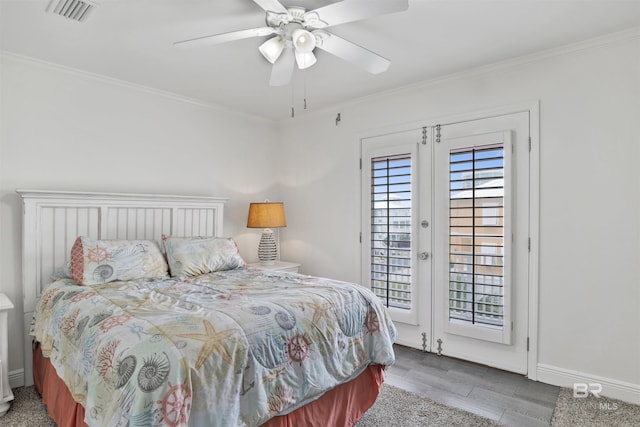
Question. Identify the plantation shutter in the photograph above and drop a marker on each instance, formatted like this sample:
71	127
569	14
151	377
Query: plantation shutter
391	202
477	235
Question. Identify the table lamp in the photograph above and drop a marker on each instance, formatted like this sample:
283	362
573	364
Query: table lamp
267	215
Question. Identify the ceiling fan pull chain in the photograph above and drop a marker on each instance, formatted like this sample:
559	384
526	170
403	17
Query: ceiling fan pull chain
305	89
293	114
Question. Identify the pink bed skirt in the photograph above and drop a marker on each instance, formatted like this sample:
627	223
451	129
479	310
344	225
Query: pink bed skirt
341	406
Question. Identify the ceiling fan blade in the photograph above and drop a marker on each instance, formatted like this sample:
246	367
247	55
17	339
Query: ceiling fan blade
283	68
350	52
226	37
271	6
355	10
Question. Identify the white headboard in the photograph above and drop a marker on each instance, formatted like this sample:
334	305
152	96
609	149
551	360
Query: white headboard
53	219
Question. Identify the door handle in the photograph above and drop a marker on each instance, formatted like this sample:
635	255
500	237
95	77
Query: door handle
423	255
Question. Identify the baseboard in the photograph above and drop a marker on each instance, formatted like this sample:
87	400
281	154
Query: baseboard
615	389
16	378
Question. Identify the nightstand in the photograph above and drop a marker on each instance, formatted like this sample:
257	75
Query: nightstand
5	389
291	267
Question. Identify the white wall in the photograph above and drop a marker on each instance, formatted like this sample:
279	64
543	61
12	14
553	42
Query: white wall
70	131
589	275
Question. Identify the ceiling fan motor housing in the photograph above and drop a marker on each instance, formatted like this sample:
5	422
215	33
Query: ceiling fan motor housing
295	15
293	30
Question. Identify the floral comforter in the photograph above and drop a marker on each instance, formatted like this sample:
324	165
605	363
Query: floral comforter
231	348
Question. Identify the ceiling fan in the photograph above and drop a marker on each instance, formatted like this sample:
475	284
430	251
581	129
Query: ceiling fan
298	32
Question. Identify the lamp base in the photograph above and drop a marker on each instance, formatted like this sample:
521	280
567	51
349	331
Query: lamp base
267	248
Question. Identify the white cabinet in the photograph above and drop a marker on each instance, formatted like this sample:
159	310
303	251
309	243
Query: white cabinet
5	390
290	267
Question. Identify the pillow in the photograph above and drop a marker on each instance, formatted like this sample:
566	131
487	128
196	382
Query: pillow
193	256
101	261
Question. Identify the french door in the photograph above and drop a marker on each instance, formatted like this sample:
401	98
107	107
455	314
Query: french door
445	236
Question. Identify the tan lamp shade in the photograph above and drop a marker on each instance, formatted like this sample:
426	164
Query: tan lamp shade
266	215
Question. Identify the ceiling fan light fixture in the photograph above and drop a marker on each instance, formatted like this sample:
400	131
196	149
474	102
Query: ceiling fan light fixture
305	59
303	41
272	49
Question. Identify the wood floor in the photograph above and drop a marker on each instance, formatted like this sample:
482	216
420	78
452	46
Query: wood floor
508	398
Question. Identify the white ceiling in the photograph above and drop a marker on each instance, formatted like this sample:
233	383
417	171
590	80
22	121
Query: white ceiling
132	40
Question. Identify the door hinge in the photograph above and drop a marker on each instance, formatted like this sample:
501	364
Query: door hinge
361	163
424	342
424	135
361	237
529	244
439	341
529	144
527	343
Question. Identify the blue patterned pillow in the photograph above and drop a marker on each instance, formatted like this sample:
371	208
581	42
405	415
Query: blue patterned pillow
193	256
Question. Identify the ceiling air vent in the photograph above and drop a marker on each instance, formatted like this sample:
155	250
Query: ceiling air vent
78	10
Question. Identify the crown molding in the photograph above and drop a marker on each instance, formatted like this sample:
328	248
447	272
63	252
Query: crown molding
128	85
596	42
567	49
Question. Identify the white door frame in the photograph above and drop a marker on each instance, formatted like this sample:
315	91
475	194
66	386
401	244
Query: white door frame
533	108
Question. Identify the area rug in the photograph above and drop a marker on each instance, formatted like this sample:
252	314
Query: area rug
397	407
26	410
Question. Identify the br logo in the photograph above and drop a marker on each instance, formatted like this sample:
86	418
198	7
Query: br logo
583	390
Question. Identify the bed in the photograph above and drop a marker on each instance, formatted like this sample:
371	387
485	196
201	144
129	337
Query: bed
207	341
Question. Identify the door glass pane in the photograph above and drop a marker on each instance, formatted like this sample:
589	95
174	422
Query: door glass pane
391	229
476	235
